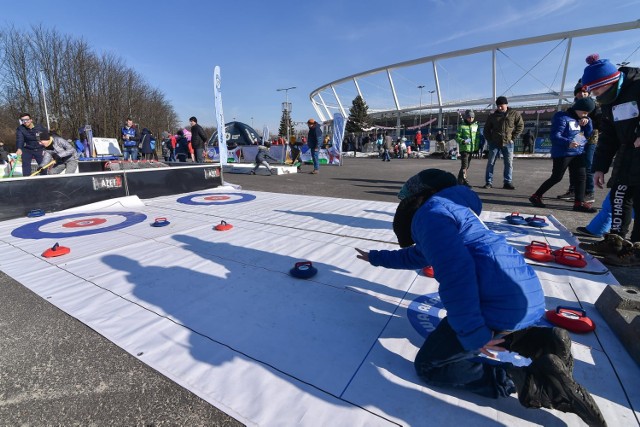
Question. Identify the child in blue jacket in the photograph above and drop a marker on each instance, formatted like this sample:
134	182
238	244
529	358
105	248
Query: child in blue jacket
569	132
492	297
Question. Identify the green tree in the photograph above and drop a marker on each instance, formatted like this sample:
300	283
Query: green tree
285	121
358	119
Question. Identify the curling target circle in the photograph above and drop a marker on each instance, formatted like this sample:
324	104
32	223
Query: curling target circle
425	313
507	230
50	228
84	222
204	199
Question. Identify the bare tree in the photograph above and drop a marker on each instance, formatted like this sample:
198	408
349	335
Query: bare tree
80	86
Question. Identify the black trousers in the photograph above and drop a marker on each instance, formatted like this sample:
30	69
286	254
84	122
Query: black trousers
625	199
577	169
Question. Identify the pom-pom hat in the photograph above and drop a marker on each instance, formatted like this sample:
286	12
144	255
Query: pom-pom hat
599	72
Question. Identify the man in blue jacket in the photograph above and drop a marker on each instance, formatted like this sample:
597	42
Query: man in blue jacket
130	140
27	143
492	297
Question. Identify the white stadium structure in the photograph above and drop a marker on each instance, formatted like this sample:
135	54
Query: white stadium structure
537	74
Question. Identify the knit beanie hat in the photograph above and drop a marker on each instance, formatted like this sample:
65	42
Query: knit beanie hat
469	114
44	136
578	88
584	104
428	179
413	195
501	100
599	72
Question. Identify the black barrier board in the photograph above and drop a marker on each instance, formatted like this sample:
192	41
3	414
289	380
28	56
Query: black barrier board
147	183
54	193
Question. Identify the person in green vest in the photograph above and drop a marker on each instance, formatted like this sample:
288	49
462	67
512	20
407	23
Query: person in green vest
468	138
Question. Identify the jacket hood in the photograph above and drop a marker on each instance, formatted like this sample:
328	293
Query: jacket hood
461	195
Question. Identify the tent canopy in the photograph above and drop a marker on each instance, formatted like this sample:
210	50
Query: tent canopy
237	133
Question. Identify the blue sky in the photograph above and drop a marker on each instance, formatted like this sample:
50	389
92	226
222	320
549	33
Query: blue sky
265	45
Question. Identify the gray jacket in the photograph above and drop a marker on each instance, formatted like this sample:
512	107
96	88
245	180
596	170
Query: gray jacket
59	150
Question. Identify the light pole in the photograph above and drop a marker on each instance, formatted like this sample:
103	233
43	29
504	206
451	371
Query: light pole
420	110
286	108
431	109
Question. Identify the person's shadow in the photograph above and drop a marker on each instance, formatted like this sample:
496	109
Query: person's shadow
316	334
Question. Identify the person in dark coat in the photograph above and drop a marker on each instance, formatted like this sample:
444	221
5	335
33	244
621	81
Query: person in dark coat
147	142
493	300
618	93
198	139
527	142
501	129
314	143
27	143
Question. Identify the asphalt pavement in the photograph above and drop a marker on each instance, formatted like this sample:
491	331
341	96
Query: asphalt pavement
54	370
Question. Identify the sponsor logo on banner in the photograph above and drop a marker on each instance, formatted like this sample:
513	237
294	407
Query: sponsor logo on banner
107	182
210	173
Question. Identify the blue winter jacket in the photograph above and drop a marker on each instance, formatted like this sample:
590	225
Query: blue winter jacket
564	128
485	284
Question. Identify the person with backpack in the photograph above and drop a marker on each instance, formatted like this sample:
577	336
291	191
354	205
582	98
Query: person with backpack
183	148
148	144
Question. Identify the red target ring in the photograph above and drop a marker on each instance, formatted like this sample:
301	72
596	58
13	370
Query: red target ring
217	198
89	222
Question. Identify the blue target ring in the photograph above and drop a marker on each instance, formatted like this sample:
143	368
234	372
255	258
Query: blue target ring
424	313
32	231
188	200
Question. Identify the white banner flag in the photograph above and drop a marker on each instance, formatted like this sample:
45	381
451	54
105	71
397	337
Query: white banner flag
339	125
222	142
265	135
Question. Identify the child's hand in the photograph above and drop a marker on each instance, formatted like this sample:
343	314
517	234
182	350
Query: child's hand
363	255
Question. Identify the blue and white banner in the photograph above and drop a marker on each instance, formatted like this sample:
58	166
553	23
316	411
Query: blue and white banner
265	135
339	125
222	142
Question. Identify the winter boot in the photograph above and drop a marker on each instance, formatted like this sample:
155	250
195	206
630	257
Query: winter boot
537	341
627	257
611	244
537	201
547	383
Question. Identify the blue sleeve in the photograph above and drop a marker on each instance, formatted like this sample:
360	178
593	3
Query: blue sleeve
455	270
588	129
319	135
19	139
403	259
558	127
